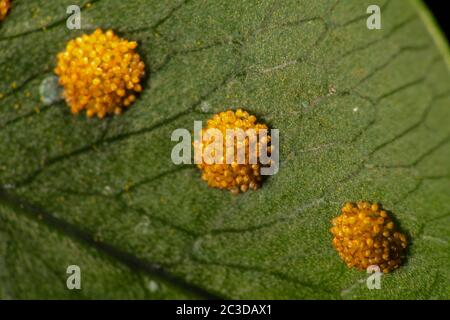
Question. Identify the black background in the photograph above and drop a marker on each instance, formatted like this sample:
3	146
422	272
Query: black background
441	12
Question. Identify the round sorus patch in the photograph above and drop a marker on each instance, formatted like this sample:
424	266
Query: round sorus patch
365	235
234	176
100	73
4	8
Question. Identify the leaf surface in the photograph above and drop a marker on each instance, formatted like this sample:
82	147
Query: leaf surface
362	114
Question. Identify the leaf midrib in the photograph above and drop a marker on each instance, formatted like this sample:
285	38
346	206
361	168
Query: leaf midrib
32	211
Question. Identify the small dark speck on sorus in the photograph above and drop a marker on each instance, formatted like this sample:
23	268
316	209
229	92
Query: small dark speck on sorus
224	159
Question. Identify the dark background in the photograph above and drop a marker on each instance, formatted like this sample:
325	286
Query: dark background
441	12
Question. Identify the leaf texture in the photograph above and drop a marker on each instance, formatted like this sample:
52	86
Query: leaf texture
362	114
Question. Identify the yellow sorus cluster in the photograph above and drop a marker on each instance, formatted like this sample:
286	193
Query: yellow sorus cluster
365	235
100	72
4	7
233	176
